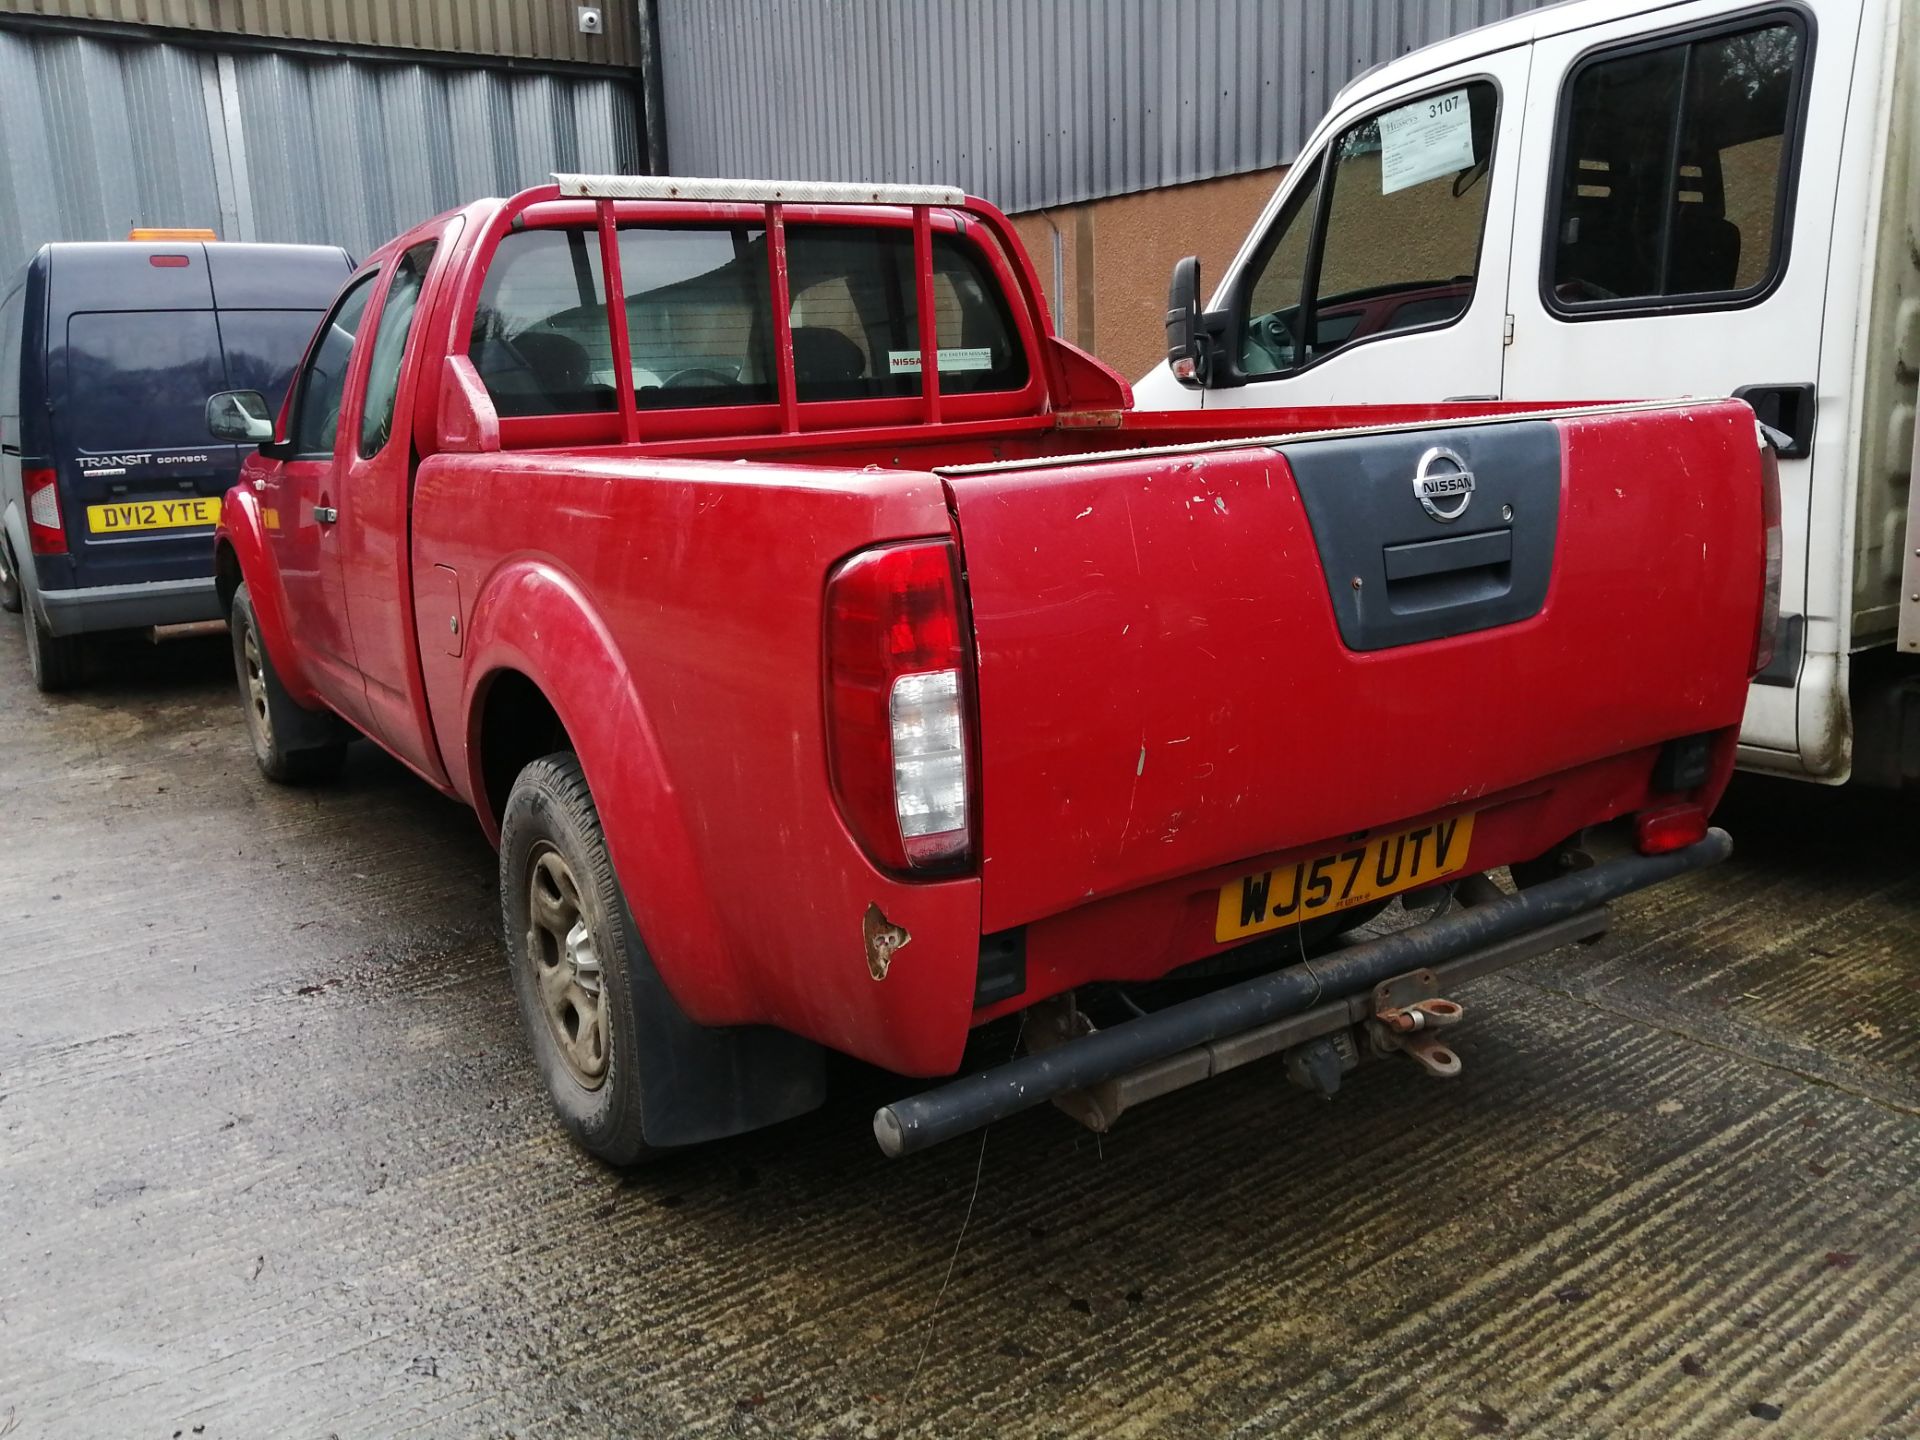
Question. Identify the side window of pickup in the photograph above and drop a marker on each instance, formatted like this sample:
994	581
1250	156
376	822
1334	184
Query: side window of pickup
1384	237
394	324
540	339
1675	161
323	378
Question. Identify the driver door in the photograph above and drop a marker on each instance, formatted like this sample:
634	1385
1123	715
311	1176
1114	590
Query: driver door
1393	234
298	498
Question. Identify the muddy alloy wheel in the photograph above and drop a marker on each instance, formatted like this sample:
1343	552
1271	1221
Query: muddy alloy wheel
292	744
253	679
566	967
572	949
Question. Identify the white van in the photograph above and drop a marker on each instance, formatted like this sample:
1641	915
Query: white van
1616	199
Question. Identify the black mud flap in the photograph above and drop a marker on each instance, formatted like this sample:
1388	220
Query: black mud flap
705	1083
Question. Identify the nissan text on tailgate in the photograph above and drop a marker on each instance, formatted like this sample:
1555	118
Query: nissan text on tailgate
839	662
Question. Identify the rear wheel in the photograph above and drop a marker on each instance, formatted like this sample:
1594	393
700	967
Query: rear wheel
572	947
292	744
58	662
9	579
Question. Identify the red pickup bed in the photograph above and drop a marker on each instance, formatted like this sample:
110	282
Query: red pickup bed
866	668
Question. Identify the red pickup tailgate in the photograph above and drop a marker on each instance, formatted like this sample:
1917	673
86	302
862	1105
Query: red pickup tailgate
1189	660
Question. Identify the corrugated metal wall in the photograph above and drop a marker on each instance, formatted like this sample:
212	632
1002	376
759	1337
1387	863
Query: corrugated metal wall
532	29
101	135
1029	103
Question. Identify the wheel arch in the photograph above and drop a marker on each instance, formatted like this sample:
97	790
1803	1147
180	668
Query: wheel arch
241	554
546	671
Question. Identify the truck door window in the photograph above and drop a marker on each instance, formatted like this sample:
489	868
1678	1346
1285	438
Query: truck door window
323	378
1674	169
395	323
540	340
1394	246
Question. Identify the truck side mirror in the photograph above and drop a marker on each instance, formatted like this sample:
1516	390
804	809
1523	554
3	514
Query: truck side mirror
239	415
1187	351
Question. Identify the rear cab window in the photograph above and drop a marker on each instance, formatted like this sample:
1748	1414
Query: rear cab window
1674	167
1384	236
699	313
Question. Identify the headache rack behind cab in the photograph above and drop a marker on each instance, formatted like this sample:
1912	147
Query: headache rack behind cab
1074	381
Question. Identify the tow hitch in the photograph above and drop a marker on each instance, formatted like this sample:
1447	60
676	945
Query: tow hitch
1389	988
1406	1010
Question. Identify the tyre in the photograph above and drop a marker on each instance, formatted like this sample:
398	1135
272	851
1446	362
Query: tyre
573	949
58	662
292	744
9	579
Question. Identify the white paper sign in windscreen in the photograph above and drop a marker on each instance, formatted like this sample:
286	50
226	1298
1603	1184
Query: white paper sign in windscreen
1425	140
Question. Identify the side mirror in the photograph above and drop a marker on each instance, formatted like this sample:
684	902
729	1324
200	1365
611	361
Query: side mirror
1186	346
239	415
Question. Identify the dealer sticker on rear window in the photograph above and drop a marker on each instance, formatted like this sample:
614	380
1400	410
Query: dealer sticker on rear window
973	357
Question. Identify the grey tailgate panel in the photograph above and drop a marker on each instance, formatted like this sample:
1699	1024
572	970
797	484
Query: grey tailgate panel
1422	578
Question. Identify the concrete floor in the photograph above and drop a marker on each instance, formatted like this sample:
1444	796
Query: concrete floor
272	1161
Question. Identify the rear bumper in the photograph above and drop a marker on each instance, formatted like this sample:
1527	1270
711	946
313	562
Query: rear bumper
1196	1032
93	608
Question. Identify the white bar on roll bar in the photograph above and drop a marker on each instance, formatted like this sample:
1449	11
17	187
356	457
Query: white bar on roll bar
753	192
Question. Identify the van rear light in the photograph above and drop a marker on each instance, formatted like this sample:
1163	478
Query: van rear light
897	708
168	262
1658	832
45	534
1763	640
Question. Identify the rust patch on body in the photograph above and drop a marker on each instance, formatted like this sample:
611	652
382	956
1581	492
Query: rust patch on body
883	938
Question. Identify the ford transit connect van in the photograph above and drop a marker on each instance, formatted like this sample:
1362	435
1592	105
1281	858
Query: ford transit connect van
109	487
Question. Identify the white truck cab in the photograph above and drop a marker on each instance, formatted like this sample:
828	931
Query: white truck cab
1621	199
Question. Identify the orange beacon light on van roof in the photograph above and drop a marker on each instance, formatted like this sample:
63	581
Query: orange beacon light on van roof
163	233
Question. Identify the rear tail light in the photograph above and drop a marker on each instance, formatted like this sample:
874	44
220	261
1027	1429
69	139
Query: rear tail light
897	712
45	534
1763	641
1656	832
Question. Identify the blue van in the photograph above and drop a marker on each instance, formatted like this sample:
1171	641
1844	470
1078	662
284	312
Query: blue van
109	486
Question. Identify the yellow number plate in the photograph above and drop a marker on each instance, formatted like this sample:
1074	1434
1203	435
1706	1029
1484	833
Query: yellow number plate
1370	871
124	516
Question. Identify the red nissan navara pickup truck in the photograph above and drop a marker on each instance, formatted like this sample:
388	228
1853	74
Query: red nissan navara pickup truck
840	662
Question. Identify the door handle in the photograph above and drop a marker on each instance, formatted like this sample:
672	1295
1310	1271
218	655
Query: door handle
1788	411
325	514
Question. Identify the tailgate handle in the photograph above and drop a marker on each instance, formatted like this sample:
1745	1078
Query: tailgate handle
1454	570
1445	556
